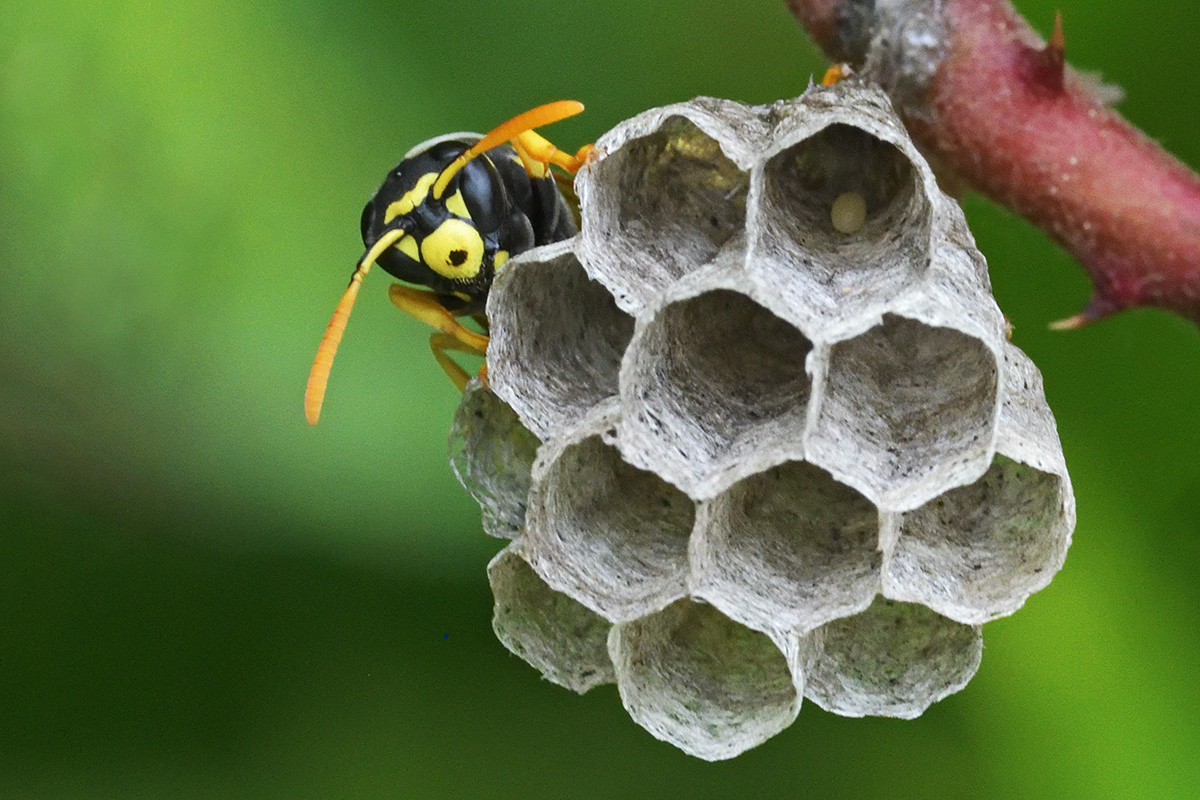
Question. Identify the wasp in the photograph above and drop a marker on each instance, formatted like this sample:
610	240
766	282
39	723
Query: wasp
446	218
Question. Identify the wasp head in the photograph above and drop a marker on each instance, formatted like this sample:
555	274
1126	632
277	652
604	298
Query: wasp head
454	241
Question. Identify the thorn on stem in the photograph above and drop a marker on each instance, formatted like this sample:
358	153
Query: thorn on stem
1056	48
1046	65
1070	323
1051	60
1098	308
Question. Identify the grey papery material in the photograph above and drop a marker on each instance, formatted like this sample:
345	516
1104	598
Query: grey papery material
776	460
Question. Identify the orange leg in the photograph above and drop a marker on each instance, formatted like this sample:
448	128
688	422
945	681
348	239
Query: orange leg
424	306
439	343
451	334
518	125
838	72
537	154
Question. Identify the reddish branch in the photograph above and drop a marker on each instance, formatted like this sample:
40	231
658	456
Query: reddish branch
990	100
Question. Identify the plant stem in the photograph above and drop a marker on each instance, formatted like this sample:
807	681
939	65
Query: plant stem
991	101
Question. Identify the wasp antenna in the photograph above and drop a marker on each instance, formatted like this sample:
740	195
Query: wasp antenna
318	377
533	118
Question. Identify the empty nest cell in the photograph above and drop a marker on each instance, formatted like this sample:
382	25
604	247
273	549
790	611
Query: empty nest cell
892	660
565	641
904	407
610	535
843	215
713	383
557	339
678	198
712	687
978	551
787	549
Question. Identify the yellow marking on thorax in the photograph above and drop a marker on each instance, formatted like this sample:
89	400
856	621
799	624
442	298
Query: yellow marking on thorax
501	257
410	199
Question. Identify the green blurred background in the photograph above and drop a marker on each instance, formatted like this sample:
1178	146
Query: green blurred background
202	597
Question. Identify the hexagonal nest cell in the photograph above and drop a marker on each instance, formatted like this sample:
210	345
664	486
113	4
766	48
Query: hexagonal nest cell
787	549
893	660
680	199
556	345
750	447
564	640
611	535
906	407
714	381
709	686
492	456
881	252
689	187
976	552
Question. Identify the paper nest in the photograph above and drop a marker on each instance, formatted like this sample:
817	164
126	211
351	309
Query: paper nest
745	458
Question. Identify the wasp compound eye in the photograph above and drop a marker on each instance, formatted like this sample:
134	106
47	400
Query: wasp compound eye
483	194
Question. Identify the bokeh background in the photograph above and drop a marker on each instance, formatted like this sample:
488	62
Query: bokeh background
202	597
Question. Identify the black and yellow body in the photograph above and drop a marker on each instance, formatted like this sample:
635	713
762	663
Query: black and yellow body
446	218
491	210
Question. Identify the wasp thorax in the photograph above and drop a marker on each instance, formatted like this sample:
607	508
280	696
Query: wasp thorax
780	448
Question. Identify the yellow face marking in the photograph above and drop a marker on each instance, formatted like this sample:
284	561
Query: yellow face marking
456	206
454	250
501	257
410	199
408	246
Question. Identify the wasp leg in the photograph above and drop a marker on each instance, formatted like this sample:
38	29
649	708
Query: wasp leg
452	335
439	343
537	154
424	306
509	132
837	73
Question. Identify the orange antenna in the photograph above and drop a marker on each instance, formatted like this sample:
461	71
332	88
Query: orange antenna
533	118
318	377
